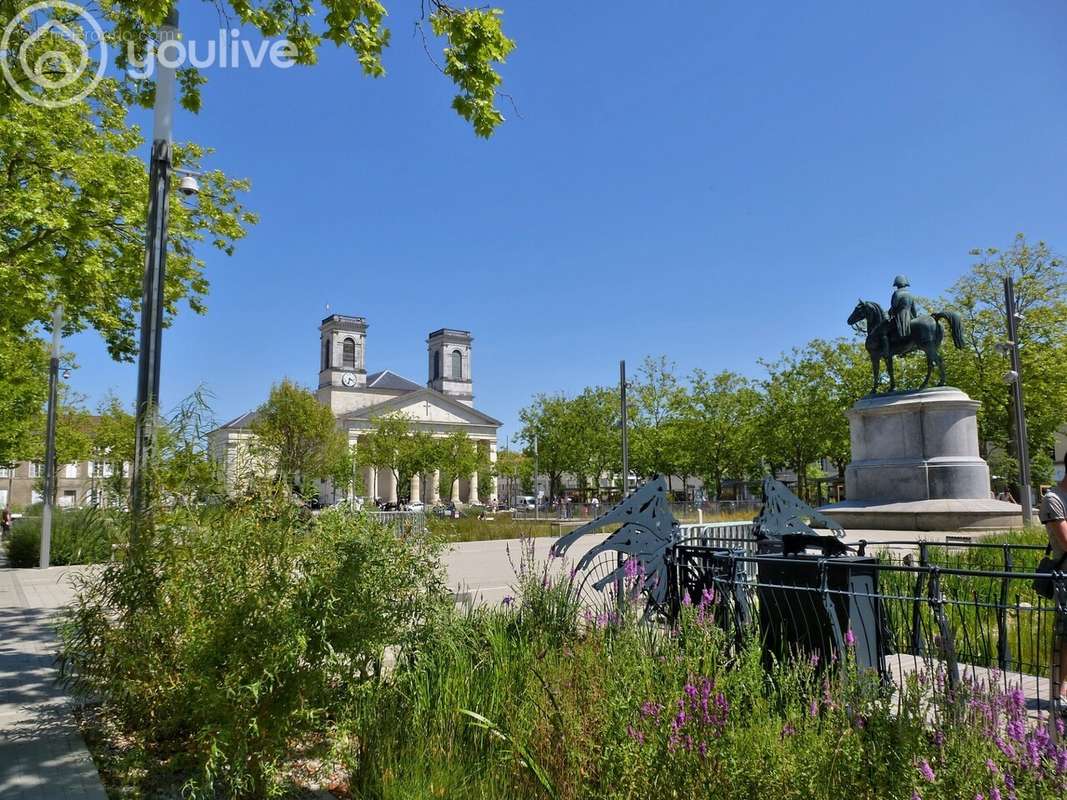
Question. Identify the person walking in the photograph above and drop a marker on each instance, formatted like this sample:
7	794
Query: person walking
5	522
1053	514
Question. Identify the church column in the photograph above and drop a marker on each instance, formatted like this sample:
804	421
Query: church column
472	493
435	487
492	463
370	483
455	489
387	482
416	487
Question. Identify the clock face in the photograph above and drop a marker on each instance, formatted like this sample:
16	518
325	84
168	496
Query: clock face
348	379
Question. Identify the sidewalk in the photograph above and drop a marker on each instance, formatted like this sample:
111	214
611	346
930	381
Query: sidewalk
42	755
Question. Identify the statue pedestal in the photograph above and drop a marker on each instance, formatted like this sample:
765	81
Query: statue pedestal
915	466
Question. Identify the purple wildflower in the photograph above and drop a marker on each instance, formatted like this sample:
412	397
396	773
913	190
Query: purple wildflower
927	771
850	638
788	730
632	568
635	734
994	794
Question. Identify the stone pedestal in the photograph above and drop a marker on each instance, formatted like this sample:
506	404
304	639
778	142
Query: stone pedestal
915	466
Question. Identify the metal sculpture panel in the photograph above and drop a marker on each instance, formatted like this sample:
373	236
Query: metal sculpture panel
784	514
647	530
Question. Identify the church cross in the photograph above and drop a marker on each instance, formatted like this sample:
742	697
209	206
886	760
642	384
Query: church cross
426	403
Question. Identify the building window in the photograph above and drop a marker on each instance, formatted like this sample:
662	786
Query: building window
457	365
5	472
71	471
36	469
436	364
69	498
348	354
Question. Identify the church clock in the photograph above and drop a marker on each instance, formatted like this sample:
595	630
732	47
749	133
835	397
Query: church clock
348	379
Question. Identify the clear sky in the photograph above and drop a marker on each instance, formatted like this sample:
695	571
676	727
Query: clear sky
714	181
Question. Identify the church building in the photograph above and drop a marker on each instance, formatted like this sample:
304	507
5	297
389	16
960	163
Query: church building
441	407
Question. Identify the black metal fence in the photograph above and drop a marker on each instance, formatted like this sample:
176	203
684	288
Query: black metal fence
965	609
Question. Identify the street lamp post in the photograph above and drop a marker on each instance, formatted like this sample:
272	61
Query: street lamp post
537	482
623	424
50	440
1014	377
152	296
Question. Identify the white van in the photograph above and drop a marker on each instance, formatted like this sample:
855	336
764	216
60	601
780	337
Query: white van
525	502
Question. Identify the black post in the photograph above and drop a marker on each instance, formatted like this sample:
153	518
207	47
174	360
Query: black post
152	297
619	584
50	441
1021	445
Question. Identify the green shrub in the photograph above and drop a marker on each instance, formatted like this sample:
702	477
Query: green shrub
79	536
237	634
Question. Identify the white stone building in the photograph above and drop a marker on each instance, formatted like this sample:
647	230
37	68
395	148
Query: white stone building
441	407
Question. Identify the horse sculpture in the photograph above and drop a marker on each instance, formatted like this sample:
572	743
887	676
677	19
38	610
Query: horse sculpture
883	341
647	531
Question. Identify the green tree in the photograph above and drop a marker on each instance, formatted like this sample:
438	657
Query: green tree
23	392
297	438
457	457
549	420
517	469
594	417
393	444
1041	294
655	433
718	424
797	413
113	441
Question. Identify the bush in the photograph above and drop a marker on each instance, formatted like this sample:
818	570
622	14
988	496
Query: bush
235	635
79	536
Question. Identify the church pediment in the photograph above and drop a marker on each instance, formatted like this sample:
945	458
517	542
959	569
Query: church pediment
428	407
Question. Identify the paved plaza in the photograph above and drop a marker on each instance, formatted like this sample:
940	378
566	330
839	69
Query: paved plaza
42	754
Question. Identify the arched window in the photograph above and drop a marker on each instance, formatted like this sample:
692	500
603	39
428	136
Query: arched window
436	364
457	365
348	353
325	353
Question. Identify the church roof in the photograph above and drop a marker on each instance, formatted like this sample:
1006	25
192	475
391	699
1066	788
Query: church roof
242	421
438	398
387	379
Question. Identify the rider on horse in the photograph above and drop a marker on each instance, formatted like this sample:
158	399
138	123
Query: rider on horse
902	308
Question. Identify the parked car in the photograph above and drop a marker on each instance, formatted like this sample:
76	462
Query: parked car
417	506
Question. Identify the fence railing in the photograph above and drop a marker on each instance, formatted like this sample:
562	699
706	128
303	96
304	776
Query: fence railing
400	521
902	616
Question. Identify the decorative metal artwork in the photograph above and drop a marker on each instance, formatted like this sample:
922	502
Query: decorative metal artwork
648	529
785	517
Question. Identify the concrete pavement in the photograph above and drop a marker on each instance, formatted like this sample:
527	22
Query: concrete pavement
484	572
42	754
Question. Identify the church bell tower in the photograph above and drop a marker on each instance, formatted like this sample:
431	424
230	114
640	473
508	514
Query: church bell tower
450	364
342	343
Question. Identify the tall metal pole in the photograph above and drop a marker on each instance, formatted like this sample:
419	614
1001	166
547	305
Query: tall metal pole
537	482
1022	449
50	440
624	425
152	298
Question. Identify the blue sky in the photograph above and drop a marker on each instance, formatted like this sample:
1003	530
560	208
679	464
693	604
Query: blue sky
711	181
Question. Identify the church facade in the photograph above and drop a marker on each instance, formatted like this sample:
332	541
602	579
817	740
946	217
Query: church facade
441	407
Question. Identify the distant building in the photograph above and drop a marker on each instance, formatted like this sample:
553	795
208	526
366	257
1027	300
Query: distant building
441	407
83	483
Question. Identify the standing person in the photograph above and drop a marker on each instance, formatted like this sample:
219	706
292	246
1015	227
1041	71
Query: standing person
5	522
1053	514
596	506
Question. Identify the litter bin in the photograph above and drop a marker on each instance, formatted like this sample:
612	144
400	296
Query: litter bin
797	616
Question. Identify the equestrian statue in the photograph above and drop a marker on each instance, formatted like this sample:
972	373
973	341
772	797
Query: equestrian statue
904	330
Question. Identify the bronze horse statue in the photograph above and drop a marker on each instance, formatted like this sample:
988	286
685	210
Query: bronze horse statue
883	342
